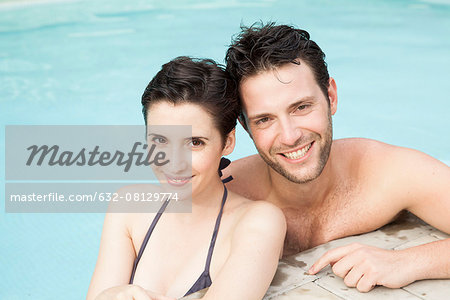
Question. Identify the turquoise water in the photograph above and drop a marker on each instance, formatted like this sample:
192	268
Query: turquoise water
87	62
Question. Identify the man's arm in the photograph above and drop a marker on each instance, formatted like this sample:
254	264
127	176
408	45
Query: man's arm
416	182
424	184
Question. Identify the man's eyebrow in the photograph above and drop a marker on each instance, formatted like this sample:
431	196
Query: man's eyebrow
301	101
291	106
259	116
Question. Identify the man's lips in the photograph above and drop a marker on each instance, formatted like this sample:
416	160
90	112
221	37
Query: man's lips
298	153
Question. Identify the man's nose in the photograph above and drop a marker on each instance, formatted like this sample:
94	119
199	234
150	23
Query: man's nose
290	132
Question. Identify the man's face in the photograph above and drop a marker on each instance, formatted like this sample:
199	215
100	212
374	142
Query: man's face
289	120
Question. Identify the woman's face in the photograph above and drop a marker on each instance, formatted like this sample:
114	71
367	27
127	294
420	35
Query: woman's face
193	145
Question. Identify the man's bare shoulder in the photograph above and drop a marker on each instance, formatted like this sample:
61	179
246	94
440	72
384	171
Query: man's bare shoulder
406	178
367	155
250	177
378	168
360	145
368	152
396	171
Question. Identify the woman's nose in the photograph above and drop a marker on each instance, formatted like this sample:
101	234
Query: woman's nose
179	160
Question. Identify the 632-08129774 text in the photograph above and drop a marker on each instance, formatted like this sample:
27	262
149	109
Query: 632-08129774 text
113	197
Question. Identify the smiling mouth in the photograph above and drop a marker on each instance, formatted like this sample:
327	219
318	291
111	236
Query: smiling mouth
298	153
178	181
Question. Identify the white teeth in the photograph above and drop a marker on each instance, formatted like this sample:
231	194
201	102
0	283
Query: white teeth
298	154
178	180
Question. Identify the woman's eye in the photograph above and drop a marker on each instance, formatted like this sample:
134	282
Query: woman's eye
197	143
159	140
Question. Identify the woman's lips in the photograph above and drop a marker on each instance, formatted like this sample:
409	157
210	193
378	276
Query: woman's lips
178	180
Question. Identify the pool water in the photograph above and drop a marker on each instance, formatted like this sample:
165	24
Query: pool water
88	62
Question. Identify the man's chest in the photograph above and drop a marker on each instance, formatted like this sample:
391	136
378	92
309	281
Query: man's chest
344	214
307	228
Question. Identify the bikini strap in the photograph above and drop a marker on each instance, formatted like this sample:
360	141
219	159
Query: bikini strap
216	230
147	237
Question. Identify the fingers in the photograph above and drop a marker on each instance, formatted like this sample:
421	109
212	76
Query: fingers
154	296
332	256
342	267
353	277
133	292
161	297
130	292
352	271
346	263
365	284
123	296
140	294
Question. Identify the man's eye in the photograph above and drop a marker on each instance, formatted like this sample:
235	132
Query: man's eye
159	140
262	120
302	107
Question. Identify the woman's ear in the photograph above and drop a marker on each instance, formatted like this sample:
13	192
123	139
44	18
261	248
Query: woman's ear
230	142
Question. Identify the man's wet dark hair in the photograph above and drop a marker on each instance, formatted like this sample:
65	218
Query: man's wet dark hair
265	47
197	81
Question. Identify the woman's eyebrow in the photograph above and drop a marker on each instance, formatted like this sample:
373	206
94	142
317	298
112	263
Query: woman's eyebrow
155	134
198	137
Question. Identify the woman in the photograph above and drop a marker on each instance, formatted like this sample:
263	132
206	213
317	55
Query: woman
227	243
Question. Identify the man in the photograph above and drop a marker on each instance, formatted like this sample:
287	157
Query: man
329	189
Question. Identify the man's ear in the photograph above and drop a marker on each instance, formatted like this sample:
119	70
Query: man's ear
332	95
230	142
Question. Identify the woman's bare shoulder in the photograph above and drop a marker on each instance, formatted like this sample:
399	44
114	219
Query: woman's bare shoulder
258	214
261	224
130	204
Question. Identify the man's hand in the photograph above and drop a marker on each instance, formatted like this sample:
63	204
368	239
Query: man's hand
364	267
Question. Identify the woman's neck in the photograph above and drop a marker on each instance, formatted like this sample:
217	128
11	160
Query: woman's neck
209	197
202	203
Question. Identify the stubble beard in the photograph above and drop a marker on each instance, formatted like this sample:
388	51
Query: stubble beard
324	142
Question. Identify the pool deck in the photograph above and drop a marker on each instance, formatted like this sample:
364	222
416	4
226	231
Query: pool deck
292	281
